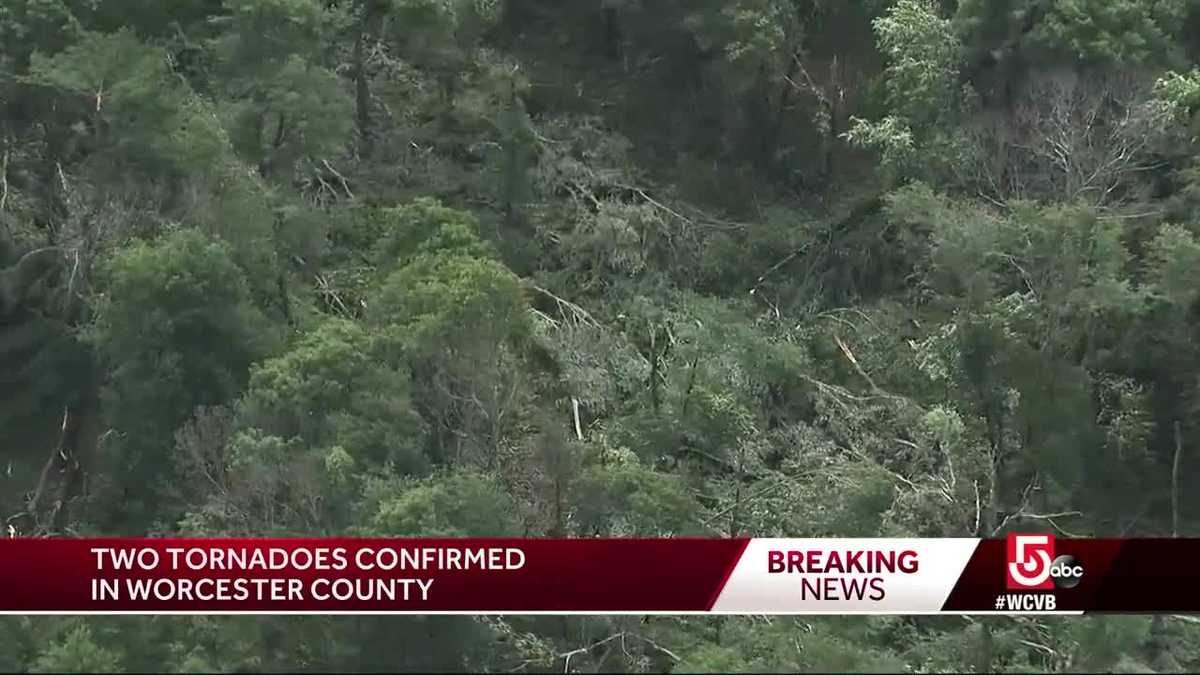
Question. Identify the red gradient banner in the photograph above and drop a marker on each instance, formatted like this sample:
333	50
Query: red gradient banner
1025	574
318	575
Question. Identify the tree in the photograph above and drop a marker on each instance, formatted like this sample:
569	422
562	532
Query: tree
462	321
77	653
924	57
174	329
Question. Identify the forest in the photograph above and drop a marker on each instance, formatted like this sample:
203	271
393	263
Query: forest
599	268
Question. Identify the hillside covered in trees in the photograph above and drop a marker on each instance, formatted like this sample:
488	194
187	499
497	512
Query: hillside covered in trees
599	268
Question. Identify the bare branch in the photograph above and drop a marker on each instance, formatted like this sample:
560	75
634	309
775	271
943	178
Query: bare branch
575	413
345	183
1039	647
978	508
1072	138
572	309
4	181
327	291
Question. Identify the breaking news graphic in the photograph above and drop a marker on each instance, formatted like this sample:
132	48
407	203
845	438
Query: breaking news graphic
1023	574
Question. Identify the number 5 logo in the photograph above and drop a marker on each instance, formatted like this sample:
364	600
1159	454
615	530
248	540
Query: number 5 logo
1030	557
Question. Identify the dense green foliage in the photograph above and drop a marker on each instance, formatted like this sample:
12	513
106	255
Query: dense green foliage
554	267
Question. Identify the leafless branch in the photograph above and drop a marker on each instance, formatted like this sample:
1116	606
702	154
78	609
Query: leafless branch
575	414
345	183
583	650
1039	647
327	291
567	307
772	269
978	507
4	181
1072	138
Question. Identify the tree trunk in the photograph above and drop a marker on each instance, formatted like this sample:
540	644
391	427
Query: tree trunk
654	402
362	93
612	34
1175	480
836	98
986	651
785	99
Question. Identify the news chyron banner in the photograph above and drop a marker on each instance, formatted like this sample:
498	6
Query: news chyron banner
1025	573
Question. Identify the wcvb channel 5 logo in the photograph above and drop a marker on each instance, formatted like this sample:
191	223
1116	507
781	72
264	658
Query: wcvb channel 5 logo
1033	566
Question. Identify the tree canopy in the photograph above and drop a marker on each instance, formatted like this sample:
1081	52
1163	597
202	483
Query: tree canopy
791	268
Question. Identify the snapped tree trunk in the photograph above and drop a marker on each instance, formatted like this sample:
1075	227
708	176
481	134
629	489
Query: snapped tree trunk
62	475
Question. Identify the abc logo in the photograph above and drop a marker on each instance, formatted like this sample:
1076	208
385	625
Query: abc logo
1066	572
